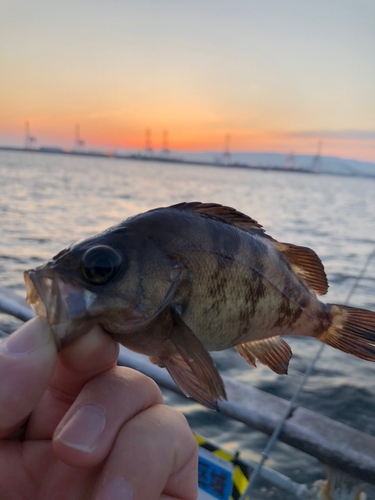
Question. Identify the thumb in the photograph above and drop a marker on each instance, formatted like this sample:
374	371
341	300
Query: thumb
27	360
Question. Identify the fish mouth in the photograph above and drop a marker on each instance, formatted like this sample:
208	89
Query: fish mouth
64	304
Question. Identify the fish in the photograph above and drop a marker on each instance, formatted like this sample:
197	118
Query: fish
177	282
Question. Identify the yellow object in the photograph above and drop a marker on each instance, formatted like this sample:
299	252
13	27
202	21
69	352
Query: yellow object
240	473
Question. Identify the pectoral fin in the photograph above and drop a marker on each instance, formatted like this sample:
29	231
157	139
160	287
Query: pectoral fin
204	377
272	352
170	293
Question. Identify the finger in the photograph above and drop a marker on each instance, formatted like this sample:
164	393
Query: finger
155	453
27	361
91	354
77	363
87	432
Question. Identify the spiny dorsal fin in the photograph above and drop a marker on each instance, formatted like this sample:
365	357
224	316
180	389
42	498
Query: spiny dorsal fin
307	264
272	352
304	261
224	214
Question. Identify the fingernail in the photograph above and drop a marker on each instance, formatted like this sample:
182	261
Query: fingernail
84	428
116	488
26	339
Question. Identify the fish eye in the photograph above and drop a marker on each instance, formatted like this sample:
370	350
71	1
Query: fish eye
100	264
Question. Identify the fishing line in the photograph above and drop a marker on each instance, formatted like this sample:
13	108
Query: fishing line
278	428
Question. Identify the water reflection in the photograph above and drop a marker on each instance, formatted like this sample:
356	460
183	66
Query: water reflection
49	201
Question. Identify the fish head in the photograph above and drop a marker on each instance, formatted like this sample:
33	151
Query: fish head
118	279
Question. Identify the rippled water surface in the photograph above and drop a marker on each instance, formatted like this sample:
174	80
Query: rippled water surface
48	201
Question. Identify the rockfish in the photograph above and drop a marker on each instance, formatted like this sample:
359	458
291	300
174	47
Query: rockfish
176	282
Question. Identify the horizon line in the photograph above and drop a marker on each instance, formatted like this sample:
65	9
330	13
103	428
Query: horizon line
142	152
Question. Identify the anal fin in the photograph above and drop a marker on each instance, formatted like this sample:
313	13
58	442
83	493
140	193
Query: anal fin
273	352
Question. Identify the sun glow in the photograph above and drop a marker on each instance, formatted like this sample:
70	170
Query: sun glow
118	70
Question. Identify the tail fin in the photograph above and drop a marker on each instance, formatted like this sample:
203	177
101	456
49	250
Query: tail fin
352	330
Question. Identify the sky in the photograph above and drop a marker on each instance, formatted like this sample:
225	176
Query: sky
277	75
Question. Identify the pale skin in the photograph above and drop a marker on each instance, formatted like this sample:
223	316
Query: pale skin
75	426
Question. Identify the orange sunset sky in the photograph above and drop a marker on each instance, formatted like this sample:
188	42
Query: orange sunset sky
277	75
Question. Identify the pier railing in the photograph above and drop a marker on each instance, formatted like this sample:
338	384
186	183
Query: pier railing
347	455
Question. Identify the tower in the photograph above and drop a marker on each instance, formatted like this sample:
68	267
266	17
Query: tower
29	140
289	161
79	143
148	145
227	153
165	146
316	162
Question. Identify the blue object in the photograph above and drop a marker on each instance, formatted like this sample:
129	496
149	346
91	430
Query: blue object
214	479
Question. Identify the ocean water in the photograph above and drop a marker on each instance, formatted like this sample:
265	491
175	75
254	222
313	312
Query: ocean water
48	201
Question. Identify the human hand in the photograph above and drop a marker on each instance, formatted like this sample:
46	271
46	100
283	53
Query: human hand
74	426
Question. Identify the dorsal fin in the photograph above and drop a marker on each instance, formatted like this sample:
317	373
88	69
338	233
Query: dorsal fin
307	264
272	352
224	214
303	260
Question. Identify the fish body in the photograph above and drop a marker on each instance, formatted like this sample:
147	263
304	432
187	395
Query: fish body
176	282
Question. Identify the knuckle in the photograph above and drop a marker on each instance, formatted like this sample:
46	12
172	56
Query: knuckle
127	380
177	423
145	384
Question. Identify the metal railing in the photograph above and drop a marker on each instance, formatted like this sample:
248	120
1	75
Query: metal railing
293	401
231	408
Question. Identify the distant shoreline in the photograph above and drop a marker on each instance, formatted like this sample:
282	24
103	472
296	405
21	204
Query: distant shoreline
161	159
167	158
